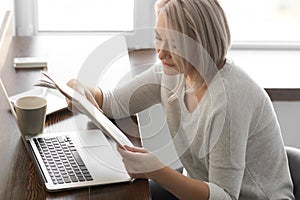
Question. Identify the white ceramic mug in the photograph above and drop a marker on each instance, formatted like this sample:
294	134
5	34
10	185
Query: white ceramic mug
31	114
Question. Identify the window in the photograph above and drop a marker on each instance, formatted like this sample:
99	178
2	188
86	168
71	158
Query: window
85	15
267	21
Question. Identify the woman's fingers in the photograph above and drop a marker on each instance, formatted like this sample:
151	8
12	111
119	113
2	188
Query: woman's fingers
91	98
84	90
139	162
130	150
136	149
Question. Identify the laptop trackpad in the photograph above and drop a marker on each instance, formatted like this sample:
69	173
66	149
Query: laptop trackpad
104	155
98	151
92	138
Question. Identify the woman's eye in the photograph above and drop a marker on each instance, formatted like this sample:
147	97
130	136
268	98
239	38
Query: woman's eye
158	38
173	44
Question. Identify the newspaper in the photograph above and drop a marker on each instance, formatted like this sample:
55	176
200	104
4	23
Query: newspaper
86	107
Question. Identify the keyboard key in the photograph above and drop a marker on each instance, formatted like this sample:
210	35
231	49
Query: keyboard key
62	160
67	180
77	158
89	178
80	178
73	178
60	139
60	181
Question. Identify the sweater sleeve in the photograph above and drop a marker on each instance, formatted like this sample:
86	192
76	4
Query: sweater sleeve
226	162
227	159
228	128
134	96
217	193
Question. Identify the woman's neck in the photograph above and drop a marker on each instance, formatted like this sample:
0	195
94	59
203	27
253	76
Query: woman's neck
193	95
194	91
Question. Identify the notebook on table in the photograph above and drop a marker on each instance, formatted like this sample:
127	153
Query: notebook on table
55	100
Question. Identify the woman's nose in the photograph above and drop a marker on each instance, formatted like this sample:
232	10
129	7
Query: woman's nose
163	50
161	54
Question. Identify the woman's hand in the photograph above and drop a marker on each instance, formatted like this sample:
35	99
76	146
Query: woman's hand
139	162
85	91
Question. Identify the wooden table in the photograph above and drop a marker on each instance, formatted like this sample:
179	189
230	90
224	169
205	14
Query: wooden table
18	176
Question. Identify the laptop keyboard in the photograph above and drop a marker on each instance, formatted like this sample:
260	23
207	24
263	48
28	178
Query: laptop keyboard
62	160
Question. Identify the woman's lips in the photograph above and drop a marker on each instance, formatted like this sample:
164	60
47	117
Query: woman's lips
168	64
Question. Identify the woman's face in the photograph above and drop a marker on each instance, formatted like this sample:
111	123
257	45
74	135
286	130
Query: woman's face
167	58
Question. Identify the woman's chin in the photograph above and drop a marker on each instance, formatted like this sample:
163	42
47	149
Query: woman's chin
170	70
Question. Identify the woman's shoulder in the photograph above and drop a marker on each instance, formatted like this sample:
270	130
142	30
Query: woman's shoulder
149	75
235	90
238	82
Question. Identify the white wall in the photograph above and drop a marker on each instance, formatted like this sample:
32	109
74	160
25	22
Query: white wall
4	6
144	35
24	17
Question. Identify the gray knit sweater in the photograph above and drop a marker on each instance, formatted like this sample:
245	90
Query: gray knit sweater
232	140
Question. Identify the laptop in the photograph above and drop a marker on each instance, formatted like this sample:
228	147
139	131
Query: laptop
67	160
75	159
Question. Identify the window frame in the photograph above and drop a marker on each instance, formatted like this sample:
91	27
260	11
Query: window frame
260	43
85	32
27	25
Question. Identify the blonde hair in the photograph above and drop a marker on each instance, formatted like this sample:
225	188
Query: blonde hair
203	21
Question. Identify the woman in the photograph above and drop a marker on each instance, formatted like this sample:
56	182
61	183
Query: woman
222	123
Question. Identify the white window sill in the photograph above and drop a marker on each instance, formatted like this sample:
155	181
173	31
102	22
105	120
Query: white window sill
273	69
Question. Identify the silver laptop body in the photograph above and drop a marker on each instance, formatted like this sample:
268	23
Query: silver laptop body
67	160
